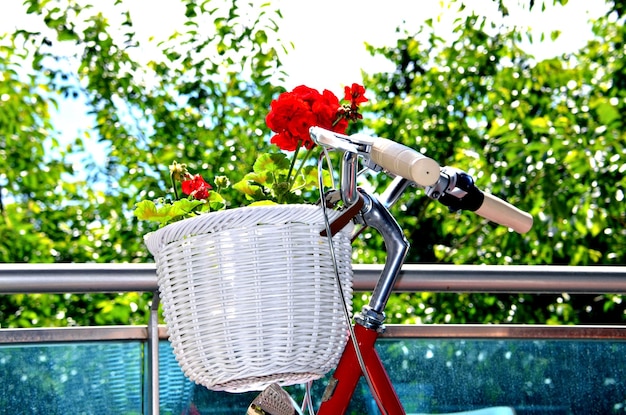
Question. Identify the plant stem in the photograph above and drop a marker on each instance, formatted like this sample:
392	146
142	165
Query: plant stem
174	186
293	162
306	157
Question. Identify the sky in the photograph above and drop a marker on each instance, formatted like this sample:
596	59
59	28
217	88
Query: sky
314	27
329	35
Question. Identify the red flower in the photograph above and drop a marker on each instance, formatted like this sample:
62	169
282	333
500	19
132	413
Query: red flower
291	117
327	110
306	94
355	94
293	113
196	187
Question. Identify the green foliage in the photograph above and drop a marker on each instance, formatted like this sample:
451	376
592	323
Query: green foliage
536	133
273	180
545	135
148	210
199	99
202	96
60	310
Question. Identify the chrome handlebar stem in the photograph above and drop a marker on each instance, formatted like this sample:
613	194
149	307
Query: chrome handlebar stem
376	215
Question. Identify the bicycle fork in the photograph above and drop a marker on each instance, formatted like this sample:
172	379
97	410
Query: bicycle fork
343	383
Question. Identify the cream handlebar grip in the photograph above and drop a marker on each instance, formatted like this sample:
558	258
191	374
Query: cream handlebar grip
404	161
504	213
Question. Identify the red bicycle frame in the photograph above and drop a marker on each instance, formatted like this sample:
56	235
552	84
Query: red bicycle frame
341	386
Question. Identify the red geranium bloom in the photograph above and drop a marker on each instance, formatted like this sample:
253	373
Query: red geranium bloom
286	141
196	187
306	94
290	117
326	109
355	94
293	113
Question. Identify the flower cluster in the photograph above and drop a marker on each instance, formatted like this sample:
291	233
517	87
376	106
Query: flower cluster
273	178
293	113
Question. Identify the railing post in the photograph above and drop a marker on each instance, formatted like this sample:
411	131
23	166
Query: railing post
152	384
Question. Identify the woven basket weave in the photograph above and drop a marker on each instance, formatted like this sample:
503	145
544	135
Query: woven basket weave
250	295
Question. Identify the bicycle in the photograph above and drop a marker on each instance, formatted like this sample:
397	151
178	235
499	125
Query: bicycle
452	187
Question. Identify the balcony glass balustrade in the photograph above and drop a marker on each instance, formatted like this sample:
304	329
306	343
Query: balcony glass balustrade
436	368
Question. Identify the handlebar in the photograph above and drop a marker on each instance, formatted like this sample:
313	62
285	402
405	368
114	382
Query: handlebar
504	213
456	189
401	160
452	187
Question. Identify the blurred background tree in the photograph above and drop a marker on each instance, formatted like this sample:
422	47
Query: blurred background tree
201	98
547	135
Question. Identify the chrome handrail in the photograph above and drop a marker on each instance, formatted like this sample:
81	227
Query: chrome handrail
77	278
113	278
116	278
141	333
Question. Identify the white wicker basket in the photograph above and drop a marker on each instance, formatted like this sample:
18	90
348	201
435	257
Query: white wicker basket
250	296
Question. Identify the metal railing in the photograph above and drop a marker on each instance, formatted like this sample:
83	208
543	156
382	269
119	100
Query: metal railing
117	278
109	278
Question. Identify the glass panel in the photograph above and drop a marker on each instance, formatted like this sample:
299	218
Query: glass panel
438	376
76	378
534	377
175	390
444	376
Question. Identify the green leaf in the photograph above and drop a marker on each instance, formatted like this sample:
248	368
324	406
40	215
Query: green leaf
271	162
540	124
216	201
67	34
148	210
498	127
307	179
145	210
253	185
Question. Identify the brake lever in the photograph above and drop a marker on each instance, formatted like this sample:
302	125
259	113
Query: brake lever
456	190
356	143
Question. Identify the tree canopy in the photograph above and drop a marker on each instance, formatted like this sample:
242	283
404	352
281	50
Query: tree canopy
548	135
